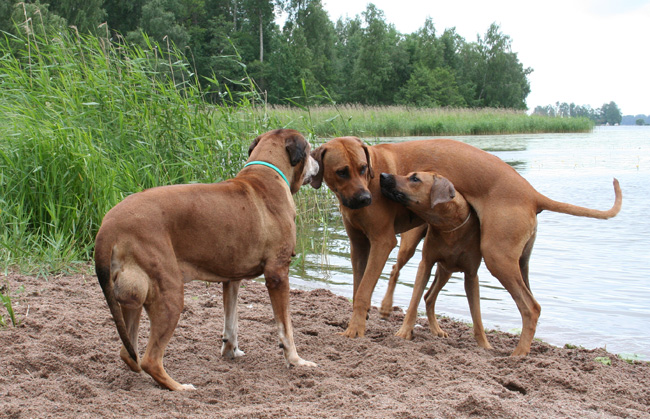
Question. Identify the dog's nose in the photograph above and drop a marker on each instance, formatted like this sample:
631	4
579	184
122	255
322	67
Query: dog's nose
364	199
386	180
359	200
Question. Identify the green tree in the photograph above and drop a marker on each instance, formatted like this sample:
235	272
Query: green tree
6	10
86	15
320	38
305	52
501	80
123	16
610	114
373	68
431	88
349	35
160	20
426	50
36	18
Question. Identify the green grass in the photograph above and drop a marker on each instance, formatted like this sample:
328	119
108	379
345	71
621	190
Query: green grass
84	123
7	303
393	121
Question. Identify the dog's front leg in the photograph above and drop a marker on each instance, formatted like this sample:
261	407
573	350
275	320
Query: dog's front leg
379	251
230	347
277	283
359	251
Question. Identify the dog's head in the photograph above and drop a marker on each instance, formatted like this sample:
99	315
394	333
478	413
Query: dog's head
289	151
421	192
345	166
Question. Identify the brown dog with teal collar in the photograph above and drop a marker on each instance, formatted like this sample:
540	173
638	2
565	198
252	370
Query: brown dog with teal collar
154	241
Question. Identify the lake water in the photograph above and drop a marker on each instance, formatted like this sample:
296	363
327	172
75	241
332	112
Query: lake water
590	276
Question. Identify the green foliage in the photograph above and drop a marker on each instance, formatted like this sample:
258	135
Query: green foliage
85	15
431	88
7	302
605	360
392	121
84	123
631	358
361	60
608	114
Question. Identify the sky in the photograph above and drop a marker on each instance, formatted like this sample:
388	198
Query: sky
589	52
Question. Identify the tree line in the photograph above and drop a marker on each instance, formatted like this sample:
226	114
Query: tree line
608	114
237	44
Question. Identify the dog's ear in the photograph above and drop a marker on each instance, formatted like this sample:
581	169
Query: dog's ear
318	155
442	191
371	172
296	146
252	146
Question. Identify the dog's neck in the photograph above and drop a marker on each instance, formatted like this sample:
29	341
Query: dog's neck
449	217
271	166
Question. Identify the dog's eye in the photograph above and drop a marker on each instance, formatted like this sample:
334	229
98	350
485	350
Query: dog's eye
414	178
343	173
363	169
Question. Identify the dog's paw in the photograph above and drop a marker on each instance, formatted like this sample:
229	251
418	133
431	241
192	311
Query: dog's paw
405	333
384	312
440	333
186	387
353	331
302	363
228	351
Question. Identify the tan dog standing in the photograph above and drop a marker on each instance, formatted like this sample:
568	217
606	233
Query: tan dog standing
452	241
506	205
154	241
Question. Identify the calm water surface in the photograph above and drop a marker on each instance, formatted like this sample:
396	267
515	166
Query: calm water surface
590	276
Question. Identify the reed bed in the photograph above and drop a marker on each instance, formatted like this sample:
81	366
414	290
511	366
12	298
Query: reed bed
402	121
84	123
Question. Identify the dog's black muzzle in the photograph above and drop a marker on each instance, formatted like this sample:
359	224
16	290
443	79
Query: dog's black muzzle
359	200
388	189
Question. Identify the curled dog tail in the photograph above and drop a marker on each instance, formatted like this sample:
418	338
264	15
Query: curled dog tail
106	280
545	203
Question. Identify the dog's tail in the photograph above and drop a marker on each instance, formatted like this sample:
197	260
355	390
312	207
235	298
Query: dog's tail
107	283
545	203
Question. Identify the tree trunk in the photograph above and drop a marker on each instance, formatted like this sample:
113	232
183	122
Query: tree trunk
261	37
234	15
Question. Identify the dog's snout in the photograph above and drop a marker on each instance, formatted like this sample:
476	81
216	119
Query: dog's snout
359	200
310	171
364	199
386	180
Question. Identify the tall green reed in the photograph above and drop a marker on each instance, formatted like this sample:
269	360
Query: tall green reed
401	121
85	122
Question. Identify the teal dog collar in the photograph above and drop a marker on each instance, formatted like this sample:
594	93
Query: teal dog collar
263	163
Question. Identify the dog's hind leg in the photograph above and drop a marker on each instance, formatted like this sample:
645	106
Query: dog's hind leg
502	246
132	321
164	310
130	289
230	347
277	284
409	241
525	259
474	300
